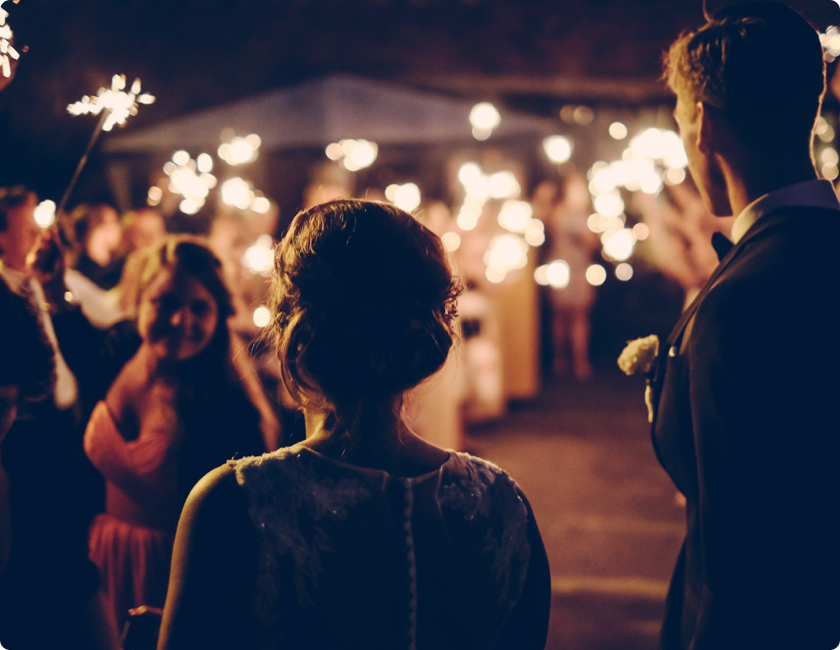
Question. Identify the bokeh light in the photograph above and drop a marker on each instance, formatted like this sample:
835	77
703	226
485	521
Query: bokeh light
262	316
624	271
558	148
596	275
451	241
618	130
45	214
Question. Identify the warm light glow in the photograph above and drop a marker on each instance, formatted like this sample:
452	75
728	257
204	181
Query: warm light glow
451	240
558	274
829	156
558	148
262	316
603	180
594	223
829	172
541	275
507	252
624	272
154	196
485	117
609	204
503	185
495	274
515	216
596	275
204	162
7	52
237	192
119	104
353	155
469	173
407	197
467	220
180	157
358	154
618	244
45	214
641	231
618	130
189	206
259	258
240	150
183	180
479	189
675	175
261	205
535	232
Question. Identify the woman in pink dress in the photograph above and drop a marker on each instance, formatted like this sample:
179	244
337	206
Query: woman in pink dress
364	535
180	406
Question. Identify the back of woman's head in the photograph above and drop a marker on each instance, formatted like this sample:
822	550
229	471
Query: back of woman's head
363	302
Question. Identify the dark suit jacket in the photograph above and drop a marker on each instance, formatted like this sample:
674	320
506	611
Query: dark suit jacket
746	404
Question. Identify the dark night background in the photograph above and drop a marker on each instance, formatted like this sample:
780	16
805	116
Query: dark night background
534	57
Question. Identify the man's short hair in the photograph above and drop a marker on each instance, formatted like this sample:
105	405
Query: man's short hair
11	197
761	64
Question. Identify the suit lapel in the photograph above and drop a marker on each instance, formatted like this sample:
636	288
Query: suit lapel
762	226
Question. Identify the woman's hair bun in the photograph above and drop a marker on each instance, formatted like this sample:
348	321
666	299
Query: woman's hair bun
364	302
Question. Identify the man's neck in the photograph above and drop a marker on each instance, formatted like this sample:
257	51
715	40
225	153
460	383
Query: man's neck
743	189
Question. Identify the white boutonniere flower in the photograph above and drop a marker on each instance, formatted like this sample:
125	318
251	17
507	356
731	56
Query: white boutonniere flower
639	355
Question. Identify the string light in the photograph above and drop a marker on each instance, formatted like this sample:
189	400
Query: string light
406	197
239	151
484	119
186	181
353	155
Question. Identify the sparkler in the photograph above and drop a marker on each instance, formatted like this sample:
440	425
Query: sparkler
114	106
6	50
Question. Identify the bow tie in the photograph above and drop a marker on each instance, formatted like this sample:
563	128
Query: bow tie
721	244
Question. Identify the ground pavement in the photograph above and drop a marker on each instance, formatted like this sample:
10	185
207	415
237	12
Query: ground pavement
609	518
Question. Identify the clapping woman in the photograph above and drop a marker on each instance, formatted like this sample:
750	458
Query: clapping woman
181	405
363	535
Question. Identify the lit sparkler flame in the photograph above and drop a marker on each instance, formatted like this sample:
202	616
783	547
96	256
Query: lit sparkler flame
6	49
119	103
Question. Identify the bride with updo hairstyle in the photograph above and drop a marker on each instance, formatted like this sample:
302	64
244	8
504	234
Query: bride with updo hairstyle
363	535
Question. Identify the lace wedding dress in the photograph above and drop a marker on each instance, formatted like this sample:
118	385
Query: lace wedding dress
354	557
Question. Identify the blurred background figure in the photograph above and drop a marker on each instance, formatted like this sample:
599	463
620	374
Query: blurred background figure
95	235
434	409
572	241
142	228
185	402
48	577
681	229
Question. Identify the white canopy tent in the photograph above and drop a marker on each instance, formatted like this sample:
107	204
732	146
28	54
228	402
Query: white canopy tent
326	110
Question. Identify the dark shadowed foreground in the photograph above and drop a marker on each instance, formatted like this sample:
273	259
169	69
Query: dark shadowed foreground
606	510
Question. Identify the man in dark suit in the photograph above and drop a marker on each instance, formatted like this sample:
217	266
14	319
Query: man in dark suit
745	389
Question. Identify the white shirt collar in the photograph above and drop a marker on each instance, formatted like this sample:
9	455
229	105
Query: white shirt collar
812	194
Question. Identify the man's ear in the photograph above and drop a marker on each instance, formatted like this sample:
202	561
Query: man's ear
706	131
